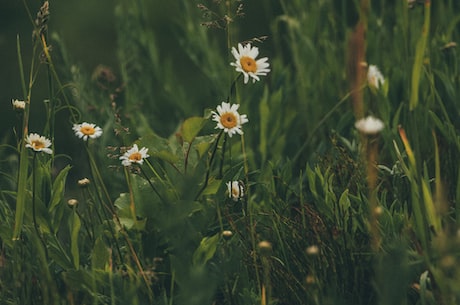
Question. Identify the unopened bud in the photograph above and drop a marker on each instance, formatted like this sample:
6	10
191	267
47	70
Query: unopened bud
312	250
227	234
83	182
72	202
265	247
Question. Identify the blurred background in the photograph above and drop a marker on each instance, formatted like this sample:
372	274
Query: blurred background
85	27
87	31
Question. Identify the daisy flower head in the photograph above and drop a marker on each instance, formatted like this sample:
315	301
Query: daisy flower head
38	143
246	63
369	125
374	77
228	118
87	130
235	190
134	155
18	105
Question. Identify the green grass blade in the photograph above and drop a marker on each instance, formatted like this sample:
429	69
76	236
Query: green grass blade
419	57
23	160
74	228
21	195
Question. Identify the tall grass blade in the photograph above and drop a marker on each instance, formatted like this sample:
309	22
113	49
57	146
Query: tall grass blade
419	58
23	160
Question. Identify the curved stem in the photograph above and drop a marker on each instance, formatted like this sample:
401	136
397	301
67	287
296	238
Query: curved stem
233	88
209	166
221	167
151	184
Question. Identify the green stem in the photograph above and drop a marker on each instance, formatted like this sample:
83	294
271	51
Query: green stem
206	180
151	185
34	217
221	167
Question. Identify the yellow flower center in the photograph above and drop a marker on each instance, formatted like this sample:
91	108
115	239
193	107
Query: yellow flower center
236	191
136	156
228	120
38	144
87	130
248	64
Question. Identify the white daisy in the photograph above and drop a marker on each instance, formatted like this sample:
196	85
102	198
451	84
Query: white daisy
18	105
134	155
38	143
369	125
87	130
246	63
235	190
374	77
228	118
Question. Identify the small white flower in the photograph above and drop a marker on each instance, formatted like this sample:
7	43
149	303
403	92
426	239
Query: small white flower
369	125
374	77
313	250
228	118
84	182
134	155
18	105
235	190
87	130
246	63
72	202
38	143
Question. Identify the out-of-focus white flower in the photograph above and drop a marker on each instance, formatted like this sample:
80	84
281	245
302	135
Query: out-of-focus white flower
374	77
18	105
369	125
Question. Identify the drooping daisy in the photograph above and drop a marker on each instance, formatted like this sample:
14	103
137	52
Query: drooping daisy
235	190
38	143
18	105
228	118
87	130
246	63
134	155
369	125
374	77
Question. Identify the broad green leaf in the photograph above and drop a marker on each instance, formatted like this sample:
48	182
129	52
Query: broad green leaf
124	211
203	143
344	201
57	192
100	255
206	250
58	254
74	228
212	187
191	127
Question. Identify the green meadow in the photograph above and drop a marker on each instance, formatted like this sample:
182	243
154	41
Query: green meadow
230	152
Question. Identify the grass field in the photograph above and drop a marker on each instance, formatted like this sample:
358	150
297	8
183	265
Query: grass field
232	152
